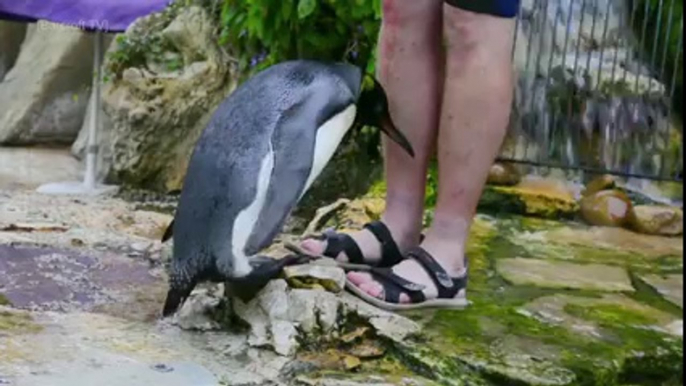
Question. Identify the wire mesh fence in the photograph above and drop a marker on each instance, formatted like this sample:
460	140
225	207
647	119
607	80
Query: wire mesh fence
599	87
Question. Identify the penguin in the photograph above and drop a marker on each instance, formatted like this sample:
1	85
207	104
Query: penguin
262	149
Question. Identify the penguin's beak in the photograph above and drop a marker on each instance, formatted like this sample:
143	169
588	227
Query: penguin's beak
388	127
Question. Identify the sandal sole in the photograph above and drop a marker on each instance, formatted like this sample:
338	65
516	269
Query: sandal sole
444	304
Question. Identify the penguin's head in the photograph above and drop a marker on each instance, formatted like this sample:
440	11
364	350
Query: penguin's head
373	111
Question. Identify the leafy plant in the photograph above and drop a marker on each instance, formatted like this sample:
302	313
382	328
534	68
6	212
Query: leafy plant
265	32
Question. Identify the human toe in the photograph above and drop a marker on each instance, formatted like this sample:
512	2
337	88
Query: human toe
313	246
359	278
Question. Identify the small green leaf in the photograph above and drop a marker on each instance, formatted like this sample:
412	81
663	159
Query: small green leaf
306	8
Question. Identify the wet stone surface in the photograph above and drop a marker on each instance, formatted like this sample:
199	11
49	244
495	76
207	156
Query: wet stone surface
552	303
58	279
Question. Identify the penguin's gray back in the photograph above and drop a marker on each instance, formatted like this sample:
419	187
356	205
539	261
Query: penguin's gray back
252	163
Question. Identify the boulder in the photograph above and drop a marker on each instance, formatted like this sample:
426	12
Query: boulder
660	220
504	174
282	318
540	197
606	208
166	75
598	184
12	34
44	96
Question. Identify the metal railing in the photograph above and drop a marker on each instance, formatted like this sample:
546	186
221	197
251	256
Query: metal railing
599	87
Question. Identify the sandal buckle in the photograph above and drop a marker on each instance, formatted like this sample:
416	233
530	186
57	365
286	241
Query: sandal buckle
414	287
445	280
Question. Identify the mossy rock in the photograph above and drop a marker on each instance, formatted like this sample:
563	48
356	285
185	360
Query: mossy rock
606	208
16	322
518	200
4	301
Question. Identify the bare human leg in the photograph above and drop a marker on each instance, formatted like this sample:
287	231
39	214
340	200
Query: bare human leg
474	118
410	57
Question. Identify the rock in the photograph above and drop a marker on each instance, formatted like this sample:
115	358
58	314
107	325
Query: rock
28	168
35	227
367	350
604	182
44	95
356	334
545	198
92	349
12	34
671	287
280	317
657	220
505	174
10	238
324	274
612	239
676	328
196	311
374	207
386	324
16	322
606	208
157	117
141	247
565	275
590	316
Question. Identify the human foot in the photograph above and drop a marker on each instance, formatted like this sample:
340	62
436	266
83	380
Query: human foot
377	245
433	275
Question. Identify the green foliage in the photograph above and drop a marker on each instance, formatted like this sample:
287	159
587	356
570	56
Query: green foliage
658	27
265	32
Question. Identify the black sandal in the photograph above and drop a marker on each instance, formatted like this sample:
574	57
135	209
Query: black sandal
451	291
340	242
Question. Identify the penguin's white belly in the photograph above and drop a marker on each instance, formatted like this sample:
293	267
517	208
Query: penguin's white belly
247	218
329	136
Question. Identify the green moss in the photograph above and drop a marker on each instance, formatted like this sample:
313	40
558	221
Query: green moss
470	336
17	322
610	315
4	301
515	240
141	48
499	200
648	295
662	30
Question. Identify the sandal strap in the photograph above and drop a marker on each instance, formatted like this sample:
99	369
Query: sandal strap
394	285
341	242
390	253
447	286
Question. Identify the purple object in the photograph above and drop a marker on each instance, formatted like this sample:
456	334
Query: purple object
90	15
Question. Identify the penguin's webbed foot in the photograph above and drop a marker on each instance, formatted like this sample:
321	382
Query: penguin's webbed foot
264	270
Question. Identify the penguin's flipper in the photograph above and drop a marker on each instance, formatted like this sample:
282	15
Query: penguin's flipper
169	232
293	149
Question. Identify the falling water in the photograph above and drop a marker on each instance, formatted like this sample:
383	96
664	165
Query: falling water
595	87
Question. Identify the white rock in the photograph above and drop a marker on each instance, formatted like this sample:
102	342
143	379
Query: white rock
194	315
279	314
284	337
320	271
